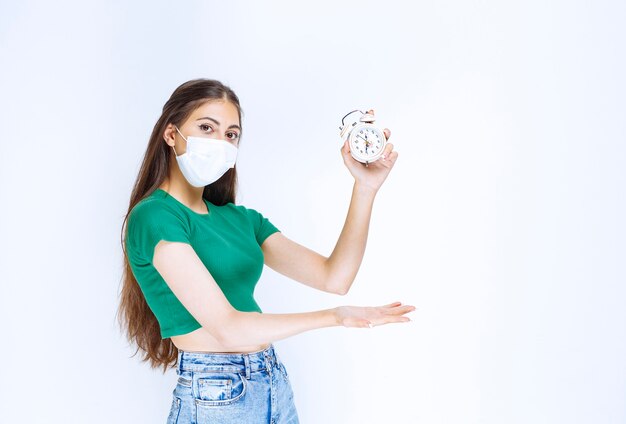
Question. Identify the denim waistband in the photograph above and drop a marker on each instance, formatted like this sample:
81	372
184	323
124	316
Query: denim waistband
236	362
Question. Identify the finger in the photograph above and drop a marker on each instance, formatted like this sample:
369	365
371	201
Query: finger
391	305
398	319
391	320
400	310
387	132
345	150
388	149
391	157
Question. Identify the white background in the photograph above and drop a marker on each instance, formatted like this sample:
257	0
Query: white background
502	222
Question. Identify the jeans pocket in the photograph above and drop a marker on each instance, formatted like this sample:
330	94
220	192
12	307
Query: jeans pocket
172	418
219	388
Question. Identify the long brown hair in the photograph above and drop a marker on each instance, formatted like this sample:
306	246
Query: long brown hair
134	316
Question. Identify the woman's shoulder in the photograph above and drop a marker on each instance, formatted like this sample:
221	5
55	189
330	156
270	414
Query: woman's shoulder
252	215
152	206
153	215
240	209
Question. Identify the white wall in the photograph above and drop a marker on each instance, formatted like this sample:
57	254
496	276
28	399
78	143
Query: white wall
502	221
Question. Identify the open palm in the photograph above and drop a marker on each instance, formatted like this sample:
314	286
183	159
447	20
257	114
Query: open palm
369	316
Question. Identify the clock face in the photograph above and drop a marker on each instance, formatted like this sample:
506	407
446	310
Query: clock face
366	143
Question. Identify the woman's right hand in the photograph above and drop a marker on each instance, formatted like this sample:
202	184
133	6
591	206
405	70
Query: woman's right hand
370	316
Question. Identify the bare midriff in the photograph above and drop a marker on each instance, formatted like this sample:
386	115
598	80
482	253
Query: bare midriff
201	340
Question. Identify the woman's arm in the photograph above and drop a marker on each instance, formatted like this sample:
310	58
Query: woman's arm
193	285
333	274
336	273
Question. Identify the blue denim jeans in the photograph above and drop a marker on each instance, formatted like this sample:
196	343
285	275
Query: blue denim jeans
226	388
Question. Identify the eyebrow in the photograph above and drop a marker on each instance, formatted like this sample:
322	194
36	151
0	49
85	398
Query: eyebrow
217	122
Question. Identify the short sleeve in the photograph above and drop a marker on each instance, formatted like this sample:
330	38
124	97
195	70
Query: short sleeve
150	223
263	228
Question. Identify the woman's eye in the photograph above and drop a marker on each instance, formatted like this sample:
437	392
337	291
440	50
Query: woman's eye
233	136
205	127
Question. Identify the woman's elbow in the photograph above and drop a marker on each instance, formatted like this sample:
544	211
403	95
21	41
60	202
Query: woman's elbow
341	291
340	288
225	331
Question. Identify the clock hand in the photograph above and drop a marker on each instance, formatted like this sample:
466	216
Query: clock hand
367	142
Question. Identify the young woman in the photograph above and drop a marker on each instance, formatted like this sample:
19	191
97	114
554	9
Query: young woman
193	258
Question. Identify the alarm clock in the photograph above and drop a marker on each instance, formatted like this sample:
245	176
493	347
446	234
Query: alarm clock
366	140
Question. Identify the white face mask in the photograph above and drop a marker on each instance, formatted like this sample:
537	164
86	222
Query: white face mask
206	159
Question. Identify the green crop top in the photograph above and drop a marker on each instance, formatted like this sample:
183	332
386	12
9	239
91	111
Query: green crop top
228	241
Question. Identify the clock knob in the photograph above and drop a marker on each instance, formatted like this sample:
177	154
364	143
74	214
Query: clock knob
367	117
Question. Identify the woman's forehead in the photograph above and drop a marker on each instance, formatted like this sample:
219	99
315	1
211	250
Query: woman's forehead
216	109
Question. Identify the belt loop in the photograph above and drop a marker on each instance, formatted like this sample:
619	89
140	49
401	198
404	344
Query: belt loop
268	363
246	360
274	355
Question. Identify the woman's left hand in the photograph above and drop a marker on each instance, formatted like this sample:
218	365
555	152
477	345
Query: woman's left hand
373	175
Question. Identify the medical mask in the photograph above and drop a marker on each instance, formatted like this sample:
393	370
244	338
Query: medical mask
206	159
